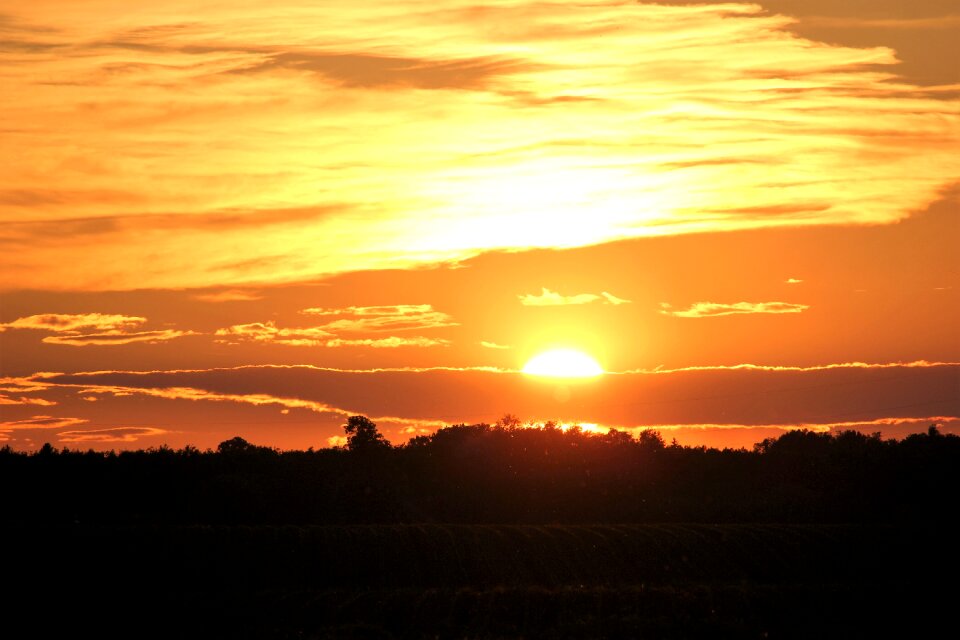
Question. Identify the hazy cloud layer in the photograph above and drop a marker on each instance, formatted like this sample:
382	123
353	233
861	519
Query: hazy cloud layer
548	298
746	397
711	309
247	130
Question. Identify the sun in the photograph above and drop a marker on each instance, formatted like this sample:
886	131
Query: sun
563	363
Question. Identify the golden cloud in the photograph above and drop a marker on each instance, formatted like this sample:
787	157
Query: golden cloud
400	317
23	400
109	329
363	320
114	338
268	332
548	298
73	322
712	309
531	125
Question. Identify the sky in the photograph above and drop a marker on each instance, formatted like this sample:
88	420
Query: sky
257	219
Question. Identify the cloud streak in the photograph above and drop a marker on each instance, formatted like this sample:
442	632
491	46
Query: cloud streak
116	338
114	434
714	309
548	298
74	322
40	422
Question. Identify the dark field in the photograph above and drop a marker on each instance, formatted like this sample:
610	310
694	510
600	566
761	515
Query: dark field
486	581
808	536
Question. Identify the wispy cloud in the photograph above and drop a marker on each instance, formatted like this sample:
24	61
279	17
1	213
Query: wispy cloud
663	143
268	332
388	343
113	434
793	281
401	317
548	298
40	422
916	364
612	299
73	322
343	331
23	400
230	295
115	338
493	345
108	329
851	22
712	309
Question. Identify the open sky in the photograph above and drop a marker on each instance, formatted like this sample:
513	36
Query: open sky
257	218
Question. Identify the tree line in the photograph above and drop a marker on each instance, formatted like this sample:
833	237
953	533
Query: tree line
493	473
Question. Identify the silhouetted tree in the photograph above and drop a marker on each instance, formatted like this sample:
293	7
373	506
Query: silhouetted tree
362	435
235	445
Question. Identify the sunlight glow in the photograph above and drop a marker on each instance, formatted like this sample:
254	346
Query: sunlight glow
563	363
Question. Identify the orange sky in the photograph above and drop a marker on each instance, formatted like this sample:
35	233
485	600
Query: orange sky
294	211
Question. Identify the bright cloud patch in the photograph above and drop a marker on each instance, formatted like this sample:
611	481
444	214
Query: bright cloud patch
711	309
507	125
548	298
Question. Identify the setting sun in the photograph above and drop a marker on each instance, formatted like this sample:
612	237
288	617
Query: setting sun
563	363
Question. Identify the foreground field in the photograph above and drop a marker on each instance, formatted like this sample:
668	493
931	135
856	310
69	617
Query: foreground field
418	581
